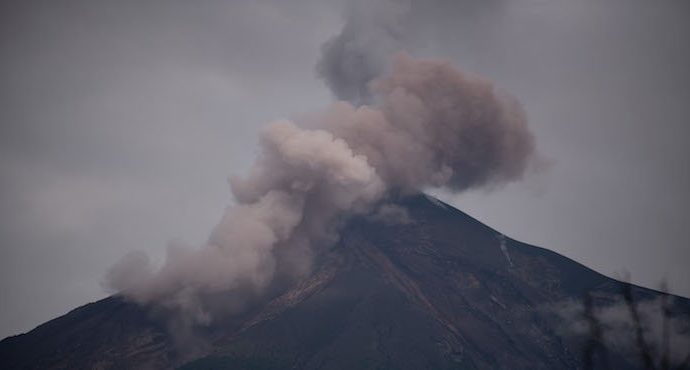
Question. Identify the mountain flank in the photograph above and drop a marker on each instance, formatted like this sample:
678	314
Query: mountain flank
435	290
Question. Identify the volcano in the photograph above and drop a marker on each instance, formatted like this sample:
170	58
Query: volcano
438	290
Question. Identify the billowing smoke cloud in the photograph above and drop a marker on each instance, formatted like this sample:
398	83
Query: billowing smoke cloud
302	183
402	126
435	126
431	125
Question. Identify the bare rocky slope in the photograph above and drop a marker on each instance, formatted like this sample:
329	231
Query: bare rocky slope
442	291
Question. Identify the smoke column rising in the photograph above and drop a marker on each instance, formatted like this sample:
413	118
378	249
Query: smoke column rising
408	125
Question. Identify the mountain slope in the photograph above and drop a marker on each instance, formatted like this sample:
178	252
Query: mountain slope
442	291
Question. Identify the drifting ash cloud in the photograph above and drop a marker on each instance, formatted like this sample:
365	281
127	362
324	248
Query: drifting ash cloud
431	126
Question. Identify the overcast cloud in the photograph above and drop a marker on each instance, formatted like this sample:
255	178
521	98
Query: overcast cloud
121	122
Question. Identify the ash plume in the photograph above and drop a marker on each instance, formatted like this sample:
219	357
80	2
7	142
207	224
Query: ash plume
428	125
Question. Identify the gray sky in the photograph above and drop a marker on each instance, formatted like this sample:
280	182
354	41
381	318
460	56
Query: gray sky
121	121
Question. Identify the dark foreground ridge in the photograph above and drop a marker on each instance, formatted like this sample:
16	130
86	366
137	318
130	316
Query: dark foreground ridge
442	291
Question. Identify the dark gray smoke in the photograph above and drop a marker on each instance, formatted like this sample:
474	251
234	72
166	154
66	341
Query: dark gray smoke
373	32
